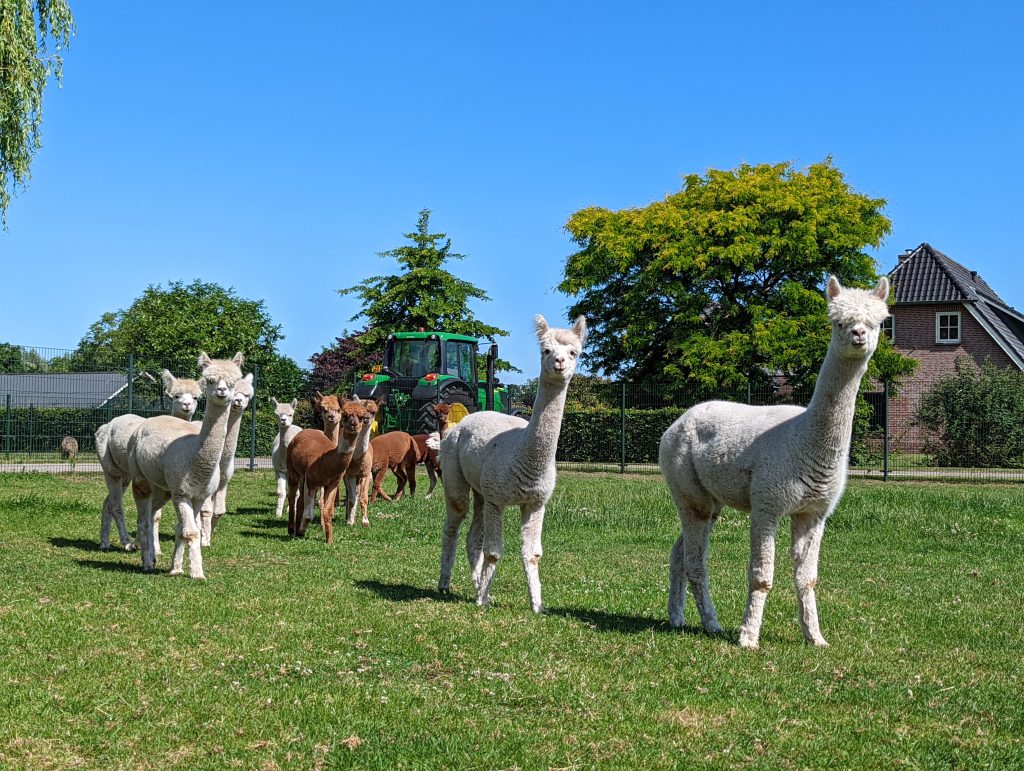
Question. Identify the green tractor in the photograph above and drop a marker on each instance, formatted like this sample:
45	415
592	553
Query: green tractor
421	369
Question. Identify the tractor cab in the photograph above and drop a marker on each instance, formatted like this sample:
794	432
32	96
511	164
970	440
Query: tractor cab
425	368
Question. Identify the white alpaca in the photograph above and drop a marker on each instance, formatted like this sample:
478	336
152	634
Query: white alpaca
214	507
112	448
770	461
506	461
286	431
170	459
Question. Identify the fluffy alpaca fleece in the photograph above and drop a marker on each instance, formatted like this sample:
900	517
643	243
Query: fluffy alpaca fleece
360	472
770	462
214	507
170	459
316	462
506	461
286	431
112	448
394	450
69	449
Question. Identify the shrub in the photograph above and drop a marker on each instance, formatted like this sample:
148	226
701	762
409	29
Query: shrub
977	415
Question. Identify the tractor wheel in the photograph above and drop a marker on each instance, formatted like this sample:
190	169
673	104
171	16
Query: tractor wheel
459	395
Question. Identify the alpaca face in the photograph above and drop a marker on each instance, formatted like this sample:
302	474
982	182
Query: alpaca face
285	413
184	394
560	349
331	408
243	394
219	378
856	316
442	411
354	414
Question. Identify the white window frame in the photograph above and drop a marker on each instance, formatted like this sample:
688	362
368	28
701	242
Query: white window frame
889	320
959	328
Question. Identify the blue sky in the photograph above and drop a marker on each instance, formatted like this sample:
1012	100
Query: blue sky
277	147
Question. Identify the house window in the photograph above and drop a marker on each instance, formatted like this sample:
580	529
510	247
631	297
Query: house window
947	328
889	327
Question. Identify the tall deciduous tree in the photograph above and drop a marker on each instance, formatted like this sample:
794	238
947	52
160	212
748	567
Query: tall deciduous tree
169	327
27	29
722	280
424	294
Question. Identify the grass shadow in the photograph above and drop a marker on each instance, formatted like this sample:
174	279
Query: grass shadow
75	543
282	536
619	622
114	567
403	592
248	511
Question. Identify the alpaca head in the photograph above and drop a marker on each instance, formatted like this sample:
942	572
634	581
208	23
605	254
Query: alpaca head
441	412
331	409
856	316
243	394
356	413
285	412
560	349
184	394
219	378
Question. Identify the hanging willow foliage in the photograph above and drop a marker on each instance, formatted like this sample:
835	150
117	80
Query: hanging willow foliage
27	28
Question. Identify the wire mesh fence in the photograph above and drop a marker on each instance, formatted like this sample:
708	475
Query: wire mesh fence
946	428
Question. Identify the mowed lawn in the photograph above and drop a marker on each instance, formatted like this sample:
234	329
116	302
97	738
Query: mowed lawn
295	654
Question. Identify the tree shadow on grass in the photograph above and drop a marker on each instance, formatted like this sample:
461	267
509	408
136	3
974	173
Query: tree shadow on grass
248	511
403	592
282	536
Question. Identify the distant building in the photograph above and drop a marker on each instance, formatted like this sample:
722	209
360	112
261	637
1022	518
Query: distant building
60	389
944	311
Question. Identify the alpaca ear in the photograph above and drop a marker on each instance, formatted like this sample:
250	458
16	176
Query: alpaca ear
168	379
318	399
834	288
238	359
248	378
275	402
882	290
580	328
294	403
204	360
542	326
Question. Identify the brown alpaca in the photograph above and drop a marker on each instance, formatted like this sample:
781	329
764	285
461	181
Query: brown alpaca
357	486
396	451
316	462
330	409
429	455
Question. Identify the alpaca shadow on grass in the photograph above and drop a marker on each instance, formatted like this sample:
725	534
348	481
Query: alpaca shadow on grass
82	544
115	567
402	592
281	536
619	622
248	511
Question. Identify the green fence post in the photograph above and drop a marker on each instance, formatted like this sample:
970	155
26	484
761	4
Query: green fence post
622	430
7	430
31	428
252	419
885	433
131	381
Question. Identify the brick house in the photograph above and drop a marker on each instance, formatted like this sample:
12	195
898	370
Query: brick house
942	312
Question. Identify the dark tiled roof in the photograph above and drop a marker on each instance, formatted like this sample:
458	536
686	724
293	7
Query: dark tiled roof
59	389
926	275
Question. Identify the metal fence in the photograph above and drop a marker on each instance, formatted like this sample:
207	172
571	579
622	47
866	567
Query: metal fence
47	395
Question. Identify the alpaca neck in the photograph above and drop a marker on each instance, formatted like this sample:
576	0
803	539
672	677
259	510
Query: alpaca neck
212	436
540	442
331	431
234	426
829	416
362	444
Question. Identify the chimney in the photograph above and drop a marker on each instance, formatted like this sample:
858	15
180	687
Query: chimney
904	255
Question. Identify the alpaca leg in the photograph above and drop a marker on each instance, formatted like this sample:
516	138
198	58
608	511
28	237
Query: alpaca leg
118	512
378	484
220	508
144	532
493	549
157	513
697	527
533	525
351	500
807	531
364	495
677	583
106	520
294	501
475	539
432	477
760	574
400	476
205	521
282	492
410	474
327	511
455	508
188	532
113	511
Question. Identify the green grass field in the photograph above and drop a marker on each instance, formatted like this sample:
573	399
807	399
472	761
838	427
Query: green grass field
298	655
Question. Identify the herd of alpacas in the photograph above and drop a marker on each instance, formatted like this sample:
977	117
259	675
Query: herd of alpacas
767	461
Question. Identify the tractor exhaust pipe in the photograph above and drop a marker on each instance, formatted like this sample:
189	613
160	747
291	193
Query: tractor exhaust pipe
492	354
